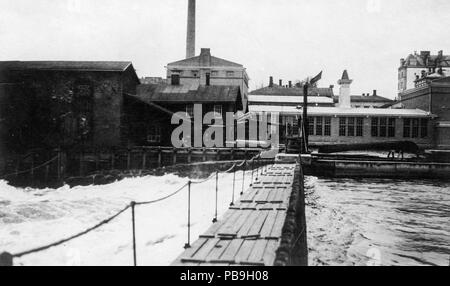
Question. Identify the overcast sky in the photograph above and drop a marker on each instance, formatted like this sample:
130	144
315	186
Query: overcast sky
289	39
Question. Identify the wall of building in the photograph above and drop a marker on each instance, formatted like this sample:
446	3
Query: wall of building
367	137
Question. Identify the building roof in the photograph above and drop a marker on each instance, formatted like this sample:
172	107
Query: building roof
254	98
293	91
345	75
180	93
426	60
370	98
338	111
68	65
205	60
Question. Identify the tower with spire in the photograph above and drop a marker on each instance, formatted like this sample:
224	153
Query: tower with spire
344	90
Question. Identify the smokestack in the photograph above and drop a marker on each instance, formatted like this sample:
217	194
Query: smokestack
281	82
374	92
290	84
190	41
271	81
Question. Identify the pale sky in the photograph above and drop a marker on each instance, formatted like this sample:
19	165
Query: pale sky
288	39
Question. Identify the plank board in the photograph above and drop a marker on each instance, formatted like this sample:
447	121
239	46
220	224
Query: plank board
257	254
255	229
268	224
244	251
278	225
204	250
271	252
231	251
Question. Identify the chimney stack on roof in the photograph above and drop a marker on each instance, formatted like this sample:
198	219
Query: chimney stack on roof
281	82
271	81
374	92
190	39
290	84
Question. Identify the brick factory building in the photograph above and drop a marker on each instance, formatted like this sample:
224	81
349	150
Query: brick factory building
47	104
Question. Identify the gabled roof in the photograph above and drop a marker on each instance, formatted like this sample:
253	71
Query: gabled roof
370	98
180	94
69	65
205	60
196	62
294	91
345	75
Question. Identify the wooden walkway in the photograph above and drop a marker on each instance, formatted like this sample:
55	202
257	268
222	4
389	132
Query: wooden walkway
249	233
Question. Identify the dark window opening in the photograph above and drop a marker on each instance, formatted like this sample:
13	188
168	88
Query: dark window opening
208	79
175	79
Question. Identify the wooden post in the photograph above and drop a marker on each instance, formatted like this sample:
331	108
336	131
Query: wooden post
188	244
32	169
204	154
189	156
133	204
305	118
128	159
144	159
58	171
159	157
217	194
6	259
232	154
174	156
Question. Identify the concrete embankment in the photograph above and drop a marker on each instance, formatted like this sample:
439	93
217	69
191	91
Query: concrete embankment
378	169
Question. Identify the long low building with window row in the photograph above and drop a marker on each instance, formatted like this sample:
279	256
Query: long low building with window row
353	125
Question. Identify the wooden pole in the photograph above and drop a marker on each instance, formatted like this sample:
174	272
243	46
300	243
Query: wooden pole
305	118
133	204
217	193
188	244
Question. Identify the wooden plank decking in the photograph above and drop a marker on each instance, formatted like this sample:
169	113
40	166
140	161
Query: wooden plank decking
249	233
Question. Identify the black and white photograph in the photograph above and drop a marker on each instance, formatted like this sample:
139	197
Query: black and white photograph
199	133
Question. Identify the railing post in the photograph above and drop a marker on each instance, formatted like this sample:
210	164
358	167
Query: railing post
133	204
251	180
243	176
6	259
188	244
257	168
234	181
217	193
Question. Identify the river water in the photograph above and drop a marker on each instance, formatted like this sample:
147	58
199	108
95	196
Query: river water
378	221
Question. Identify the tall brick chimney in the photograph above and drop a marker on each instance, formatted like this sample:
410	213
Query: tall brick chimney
190	40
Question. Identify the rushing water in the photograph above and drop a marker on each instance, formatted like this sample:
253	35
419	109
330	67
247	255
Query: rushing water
378	222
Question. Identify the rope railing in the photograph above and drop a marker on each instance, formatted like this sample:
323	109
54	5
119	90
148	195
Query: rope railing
31	169
6	259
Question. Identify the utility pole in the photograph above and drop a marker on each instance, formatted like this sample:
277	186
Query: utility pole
305	119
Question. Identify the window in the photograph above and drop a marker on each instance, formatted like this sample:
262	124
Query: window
415	128
175	79
327	128
391	127
406	127
383	126
154	134
374	130
423	128
351	126
214	73
359	126
190	111
311	125
195	73
342	126
319	126
208	79
295	126
218	111
230	73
